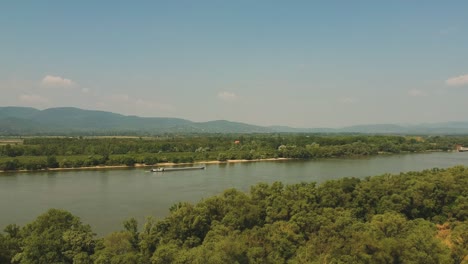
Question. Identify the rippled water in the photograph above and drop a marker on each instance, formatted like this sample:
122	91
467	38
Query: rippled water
105	198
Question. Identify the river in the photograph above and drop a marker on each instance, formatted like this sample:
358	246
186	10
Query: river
105	198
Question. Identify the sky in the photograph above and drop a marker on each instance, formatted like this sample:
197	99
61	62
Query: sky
295	63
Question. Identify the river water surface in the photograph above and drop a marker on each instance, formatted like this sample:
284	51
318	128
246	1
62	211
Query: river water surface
105	198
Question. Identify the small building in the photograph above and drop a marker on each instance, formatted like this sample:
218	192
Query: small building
460	148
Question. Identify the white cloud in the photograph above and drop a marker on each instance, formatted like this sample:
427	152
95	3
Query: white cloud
85	90
416	93
457	81
348	100
56	81
32	99
227	96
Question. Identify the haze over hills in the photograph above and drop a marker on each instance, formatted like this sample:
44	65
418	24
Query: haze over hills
69	120
75	121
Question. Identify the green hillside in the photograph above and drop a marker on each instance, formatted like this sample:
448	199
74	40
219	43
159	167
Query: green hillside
69	120
75	121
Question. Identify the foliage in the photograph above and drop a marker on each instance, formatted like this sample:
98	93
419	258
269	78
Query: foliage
55	237
380	219
55	152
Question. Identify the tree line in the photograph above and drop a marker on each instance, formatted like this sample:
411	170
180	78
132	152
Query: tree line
46	152
415	217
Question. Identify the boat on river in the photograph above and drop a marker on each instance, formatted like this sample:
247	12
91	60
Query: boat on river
160	169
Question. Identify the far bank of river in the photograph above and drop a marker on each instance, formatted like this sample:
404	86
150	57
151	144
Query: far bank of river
105	198
139	165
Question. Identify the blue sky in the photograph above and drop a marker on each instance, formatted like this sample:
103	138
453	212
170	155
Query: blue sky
297	63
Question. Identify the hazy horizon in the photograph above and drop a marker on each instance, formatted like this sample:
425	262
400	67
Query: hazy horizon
274	125
301	64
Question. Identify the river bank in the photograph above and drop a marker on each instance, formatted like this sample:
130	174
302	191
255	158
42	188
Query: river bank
166	164
140	165
104	198
50	154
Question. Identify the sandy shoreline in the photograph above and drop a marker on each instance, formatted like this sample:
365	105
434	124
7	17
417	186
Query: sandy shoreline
165	164
140	165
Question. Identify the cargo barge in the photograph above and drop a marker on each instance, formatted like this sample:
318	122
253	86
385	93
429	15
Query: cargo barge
177	169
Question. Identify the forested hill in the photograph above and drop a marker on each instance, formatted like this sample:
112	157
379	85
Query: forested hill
75	121
68	120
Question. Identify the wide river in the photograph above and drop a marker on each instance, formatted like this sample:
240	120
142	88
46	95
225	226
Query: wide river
105	198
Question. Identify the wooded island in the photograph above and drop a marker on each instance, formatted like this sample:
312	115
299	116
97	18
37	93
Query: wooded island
75	152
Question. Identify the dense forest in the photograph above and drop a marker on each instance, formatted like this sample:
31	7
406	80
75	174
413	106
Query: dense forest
54	152
415	217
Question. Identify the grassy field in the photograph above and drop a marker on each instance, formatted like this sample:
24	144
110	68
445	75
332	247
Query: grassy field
11	141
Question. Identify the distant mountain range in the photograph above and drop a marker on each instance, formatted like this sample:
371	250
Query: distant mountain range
75	121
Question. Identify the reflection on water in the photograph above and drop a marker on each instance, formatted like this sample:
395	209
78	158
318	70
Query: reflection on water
105	198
